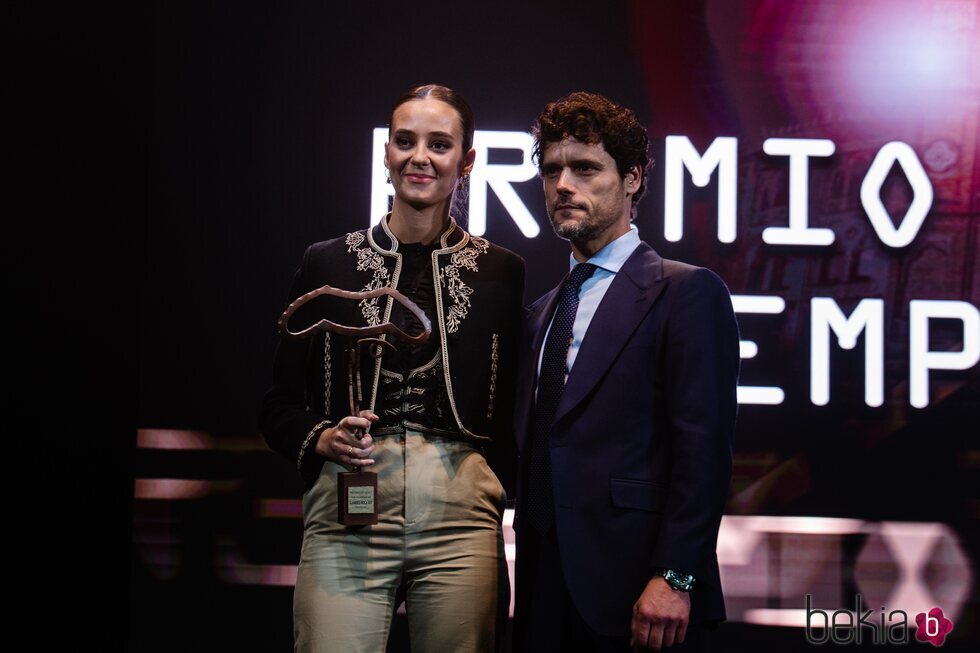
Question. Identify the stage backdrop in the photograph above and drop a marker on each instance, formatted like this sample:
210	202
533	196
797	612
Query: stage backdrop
821	157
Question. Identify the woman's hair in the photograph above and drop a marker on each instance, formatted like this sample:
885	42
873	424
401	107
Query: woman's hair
592	118
450	97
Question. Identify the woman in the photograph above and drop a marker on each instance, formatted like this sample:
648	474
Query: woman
432	408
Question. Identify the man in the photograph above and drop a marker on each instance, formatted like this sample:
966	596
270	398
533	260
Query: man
625	412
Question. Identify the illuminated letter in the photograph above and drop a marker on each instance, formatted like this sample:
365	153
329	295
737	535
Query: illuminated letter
799	150
747	349
826	315
498	177
680	154
921	359
921	194
381	190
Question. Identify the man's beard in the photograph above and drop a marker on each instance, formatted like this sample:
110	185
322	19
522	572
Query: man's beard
579	231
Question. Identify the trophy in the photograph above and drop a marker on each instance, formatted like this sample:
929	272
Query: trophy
357	502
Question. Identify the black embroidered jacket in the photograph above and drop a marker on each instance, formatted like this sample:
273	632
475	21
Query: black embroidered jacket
479	310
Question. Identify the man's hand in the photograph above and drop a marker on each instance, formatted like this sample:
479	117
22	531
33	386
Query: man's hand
660	617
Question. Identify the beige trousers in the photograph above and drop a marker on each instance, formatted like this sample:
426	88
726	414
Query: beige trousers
438	542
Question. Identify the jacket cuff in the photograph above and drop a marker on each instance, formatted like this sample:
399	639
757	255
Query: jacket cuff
308	463
314	432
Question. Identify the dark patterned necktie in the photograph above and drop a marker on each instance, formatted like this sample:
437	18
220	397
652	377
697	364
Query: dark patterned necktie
551	381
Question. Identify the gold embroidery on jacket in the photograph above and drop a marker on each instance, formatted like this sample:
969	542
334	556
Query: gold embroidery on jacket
459	292
368	259
327	365
494	356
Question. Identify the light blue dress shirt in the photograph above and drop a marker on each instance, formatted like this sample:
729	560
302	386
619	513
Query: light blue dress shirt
609	260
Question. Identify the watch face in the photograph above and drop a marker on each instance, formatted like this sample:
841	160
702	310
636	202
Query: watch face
682	582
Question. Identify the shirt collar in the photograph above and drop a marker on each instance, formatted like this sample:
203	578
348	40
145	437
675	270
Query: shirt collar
614	255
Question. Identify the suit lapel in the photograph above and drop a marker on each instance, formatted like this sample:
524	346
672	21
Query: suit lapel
537	322
633	291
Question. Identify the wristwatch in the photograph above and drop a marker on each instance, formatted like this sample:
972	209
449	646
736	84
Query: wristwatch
679	582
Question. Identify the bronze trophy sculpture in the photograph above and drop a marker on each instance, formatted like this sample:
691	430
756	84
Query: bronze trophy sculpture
357	489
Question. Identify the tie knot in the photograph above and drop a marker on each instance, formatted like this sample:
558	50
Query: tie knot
579	274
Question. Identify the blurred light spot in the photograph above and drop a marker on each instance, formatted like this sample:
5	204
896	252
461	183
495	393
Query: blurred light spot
172	439
280	508
170	488
787	617
245	574
812	525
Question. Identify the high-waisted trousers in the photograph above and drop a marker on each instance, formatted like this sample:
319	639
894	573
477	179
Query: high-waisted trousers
438	543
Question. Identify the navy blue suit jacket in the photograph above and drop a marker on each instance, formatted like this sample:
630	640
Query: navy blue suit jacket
641	451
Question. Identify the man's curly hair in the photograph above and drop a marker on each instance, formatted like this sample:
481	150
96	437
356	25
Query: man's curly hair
592	118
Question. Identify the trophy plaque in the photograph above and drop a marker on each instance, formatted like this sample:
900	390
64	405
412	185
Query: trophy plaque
357	490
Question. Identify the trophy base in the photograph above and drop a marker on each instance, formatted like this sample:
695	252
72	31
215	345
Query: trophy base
357	500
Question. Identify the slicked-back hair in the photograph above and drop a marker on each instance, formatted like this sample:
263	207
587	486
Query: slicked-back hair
450	97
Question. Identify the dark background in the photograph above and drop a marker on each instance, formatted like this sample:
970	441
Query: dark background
174	161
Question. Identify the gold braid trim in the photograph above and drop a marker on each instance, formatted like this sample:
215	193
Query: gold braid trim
494	356
306	443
